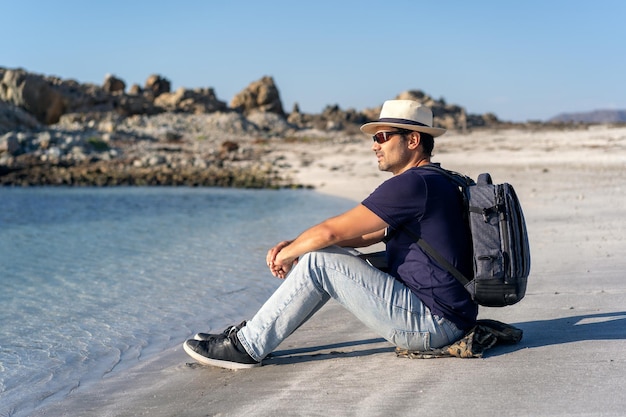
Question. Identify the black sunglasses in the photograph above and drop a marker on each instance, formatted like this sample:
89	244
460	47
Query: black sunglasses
382	137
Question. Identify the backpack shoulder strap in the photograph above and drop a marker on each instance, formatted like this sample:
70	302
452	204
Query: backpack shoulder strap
457	178
432	252
462	181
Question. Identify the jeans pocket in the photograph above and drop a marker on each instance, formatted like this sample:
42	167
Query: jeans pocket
447	332
411	340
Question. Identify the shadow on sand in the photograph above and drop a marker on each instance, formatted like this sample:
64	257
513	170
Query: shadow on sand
593	327
334	350
604	326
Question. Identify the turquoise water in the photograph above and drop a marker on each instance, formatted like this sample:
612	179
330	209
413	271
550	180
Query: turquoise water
95	279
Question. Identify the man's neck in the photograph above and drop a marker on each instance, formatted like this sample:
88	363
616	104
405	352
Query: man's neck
423	161
414	164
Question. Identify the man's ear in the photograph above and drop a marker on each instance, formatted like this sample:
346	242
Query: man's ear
414	140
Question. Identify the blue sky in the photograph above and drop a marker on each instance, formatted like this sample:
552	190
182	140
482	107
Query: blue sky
526	60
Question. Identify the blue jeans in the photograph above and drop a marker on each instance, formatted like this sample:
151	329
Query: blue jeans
380	301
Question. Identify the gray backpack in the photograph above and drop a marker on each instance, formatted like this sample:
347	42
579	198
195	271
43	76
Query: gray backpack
499	238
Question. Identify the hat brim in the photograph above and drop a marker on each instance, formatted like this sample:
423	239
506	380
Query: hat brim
372	127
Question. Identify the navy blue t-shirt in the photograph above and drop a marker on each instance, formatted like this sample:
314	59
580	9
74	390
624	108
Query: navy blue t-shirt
429	205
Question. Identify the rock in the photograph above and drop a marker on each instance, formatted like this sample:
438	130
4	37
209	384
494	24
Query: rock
230	123
270	123
10	144
128	105
157	85
113	84
34	94
261	95
331	119
135	89
228	147
197	101
48	98
15	118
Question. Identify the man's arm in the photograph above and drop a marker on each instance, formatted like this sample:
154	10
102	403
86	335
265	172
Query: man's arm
363	241
353	226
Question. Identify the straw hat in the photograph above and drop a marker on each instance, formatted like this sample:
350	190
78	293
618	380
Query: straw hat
404	114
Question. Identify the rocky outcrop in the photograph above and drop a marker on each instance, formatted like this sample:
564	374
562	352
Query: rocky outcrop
34	94
55	131
157	85
112	84
48	98
216	149
13	118
196	101
261	95
332	118
104	173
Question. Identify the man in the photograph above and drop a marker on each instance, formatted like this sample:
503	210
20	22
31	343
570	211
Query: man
417	305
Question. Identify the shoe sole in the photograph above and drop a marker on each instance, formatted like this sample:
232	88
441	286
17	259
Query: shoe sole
204	339
217	362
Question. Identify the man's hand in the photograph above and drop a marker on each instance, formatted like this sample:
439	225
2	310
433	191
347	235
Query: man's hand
359	225
279	267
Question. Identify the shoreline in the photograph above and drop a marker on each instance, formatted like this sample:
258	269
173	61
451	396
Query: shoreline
306	159
571	185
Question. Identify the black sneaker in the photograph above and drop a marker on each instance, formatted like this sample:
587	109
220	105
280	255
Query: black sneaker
223	351
226	332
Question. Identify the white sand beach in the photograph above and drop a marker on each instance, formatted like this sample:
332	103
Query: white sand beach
571	361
